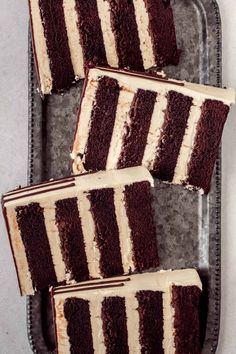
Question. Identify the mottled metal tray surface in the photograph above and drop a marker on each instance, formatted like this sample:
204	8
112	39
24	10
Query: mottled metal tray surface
188	224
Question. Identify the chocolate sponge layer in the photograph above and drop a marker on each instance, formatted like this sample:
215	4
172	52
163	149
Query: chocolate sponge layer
176	116
206	145
114	325
71	236
125	29
30	219
138	202
151	321
106	231
135	139
89	26
53	20
185	301
162	32
102	123
79	329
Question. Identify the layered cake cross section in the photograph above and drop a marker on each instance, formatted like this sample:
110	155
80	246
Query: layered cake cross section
144	313
70	34
88	226
171	127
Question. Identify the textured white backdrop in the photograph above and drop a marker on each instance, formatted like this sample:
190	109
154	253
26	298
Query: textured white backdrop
13	171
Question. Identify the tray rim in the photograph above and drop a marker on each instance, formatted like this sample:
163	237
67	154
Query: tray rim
218	177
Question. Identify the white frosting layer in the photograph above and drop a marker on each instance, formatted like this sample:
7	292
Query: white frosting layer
41	48
181	169
158	281
168	323
45	192
108	35
131	305
76	53
154	131
26	191
51	182
24	276
83	127
113	179
126	246
98	180
146	46
63	344
88	227
49	214
95	308
135	82
121	123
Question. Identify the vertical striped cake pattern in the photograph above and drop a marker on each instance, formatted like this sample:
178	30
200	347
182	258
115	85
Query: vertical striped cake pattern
173	128
70	34
83	227
147	313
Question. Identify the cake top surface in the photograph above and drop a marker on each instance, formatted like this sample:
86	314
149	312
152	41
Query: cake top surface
158	83
82	182
161	281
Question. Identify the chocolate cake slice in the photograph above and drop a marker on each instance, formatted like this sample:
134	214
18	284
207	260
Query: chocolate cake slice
88	226
171	127
145	313
70	34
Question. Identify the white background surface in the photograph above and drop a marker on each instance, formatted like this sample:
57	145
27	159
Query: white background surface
13	171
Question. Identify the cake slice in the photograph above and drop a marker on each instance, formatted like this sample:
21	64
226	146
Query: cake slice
145	313
70	34
89	226
171	127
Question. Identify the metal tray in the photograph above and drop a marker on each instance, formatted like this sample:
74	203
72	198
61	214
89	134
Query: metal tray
188	224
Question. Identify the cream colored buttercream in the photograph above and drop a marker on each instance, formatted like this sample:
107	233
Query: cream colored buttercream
88	227
108	35
49	213
132	315
24	276
83	127
155	129
26	191
76	53
63	343
146	46
136	82
98	180
43	60
126	246
122	122
181	169
168	323
156	281
95	308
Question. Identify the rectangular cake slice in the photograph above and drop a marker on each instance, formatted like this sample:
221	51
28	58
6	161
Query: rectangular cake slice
88	226
171	127
70	34
145	313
